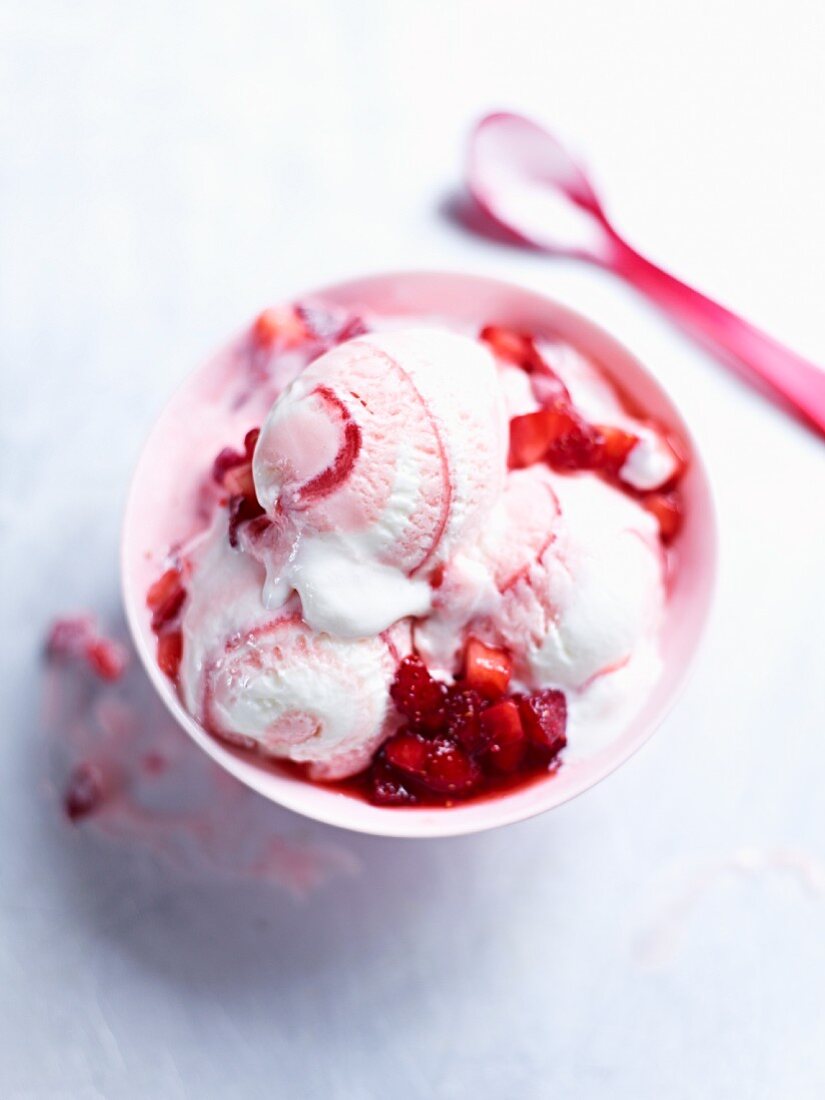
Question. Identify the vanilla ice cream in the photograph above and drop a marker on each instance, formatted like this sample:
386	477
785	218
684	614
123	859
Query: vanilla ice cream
263	678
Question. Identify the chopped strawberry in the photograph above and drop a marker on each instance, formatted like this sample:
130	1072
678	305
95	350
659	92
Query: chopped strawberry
507	742
239	481
667	508
69	637
233	471
557	434
450	770
164	589
548	388
544	718
226	460
437	576
230	459
407	752
417	695
616	445
387	787
250	440
530	438
165	598
280	325
487	669
575	444
80	638
106	658
463	717
241	509
170	651
466	738
84	791
520	350
513	347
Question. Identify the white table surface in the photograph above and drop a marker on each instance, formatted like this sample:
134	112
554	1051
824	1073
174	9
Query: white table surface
166	170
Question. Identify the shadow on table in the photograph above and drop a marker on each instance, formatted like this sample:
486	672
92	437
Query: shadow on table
209	886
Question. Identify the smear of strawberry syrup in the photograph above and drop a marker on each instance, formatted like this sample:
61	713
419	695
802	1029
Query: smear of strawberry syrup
123	772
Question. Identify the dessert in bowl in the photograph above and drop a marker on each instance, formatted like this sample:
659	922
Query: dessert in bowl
419	554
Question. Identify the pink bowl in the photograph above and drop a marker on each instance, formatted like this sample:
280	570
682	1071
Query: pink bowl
468	298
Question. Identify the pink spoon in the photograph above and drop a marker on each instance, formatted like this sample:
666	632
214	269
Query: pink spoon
527	182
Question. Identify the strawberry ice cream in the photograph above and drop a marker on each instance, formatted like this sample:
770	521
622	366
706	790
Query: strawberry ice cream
438	560
380	460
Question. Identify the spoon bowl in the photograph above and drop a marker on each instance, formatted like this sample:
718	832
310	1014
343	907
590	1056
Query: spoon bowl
525	179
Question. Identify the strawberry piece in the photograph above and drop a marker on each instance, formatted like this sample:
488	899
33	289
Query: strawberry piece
106	658
463	718
233	471
616	445
164	589
486	669
548	388
513	347
544	719
241	509
226	460
69	637
170	651
230	459
437	576
557	434
165	598
417	695
238	481
530	438
667	508
407	752
79	638
387	788
169	611
84	791
450	770
520	350
249	442
574	444
280	325
508	744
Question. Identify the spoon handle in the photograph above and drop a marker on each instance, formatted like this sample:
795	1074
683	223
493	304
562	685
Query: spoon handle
798	382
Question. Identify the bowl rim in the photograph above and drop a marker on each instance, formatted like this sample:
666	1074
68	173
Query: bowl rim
423	822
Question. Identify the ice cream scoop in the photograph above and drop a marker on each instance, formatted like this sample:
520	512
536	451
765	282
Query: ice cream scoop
264	680
376	464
